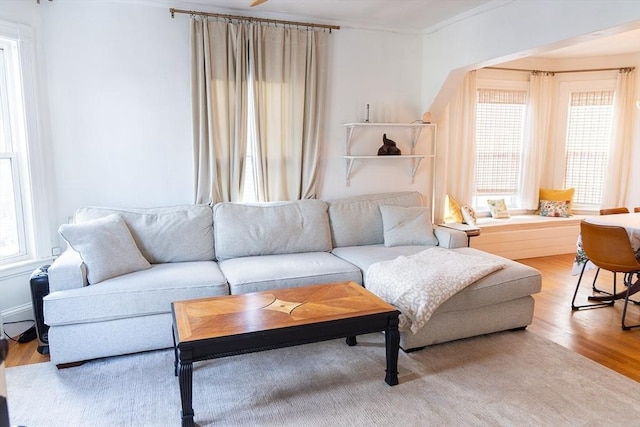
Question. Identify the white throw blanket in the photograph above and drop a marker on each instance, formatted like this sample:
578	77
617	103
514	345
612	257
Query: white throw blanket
418	284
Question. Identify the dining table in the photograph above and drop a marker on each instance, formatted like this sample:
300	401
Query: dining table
631	223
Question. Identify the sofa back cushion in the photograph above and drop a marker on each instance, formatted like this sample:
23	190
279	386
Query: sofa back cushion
167	234
357	221
270	228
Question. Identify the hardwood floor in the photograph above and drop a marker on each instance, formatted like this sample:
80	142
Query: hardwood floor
594	333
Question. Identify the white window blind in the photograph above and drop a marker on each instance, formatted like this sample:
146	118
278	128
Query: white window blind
500	118
587	145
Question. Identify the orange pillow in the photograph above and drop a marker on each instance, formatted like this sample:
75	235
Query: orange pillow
452	211
557	195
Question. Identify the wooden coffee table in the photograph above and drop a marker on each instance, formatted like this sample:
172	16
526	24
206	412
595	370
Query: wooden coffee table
215	327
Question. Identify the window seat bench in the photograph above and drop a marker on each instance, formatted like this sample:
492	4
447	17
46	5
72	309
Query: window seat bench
528	236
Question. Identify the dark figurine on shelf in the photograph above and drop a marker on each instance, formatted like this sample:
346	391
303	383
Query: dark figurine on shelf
389	148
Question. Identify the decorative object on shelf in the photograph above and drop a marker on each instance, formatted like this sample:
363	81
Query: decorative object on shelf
388	148
426	118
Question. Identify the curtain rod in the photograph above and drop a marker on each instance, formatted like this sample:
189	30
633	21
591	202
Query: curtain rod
621	69
249	18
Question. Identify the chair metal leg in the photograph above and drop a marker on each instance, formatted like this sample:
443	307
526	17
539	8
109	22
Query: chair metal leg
601	291
628	279
575	307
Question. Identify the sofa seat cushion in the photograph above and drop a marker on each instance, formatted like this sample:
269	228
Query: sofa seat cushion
260	273
167	234
136	294
514	281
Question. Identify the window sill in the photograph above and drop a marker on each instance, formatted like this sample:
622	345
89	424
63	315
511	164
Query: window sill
22	267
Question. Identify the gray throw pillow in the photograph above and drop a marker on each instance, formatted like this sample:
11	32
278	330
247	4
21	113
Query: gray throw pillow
106	247
407	226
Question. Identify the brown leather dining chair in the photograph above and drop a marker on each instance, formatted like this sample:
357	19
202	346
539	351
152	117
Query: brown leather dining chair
609	248
608	211
636	209
613	211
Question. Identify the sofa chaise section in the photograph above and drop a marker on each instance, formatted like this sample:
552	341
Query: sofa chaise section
499	301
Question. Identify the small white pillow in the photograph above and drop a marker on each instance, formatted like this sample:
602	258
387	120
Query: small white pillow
469	215
106	247
407	226
498	208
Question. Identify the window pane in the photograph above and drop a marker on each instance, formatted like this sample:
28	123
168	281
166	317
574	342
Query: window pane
499	129
587	146
9	235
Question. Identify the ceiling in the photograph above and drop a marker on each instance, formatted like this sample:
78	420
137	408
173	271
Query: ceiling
408	16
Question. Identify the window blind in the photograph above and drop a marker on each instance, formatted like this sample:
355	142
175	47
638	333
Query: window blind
587	145
499	135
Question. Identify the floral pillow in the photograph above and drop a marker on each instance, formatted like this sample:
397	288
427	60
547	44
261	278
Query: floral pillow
558	209
498	208
469	215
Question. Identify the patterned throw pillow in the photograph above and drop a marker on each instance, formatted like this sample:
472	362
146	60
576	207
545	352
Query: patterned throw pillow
498	208
555	208
555	195
469	215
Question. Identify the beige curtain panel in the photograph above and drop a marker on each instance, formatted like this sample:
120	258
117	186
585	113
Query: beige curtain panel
270	79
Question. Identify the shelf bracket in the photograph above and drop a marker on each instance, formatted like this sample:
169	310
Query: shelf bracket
416	164
349	166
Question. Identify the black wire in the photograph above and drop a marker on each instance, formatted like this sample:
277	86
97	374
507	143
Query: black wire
17	321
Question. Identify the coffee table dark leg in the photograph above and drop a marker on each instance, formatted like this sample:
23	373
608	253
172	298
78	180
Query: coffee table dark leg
392	344
351	341
186	386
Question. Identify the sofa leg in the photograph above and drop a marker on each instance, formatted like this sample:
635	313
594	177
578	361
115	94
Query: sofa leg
521	328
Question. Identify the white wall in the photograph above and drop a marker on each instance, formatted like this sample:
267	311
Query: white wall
506	30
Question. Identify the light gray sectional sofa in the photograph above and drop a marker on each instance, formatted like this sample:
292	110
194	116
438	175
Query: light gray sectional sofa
200	251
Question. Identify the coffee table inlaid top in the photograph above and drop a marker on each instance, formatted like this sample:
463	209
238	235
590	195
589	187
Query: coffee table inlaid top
231	315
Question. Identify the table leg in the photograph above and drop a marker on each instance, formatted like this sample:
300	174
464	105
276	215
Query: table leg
186	386
392	344
351	341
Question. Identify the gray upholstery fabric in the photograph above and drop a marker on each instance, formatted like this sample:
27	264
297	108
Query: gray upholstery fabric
106	247
514	281
259	273
136	294
270	228
357	221
407	226
169	234
455	325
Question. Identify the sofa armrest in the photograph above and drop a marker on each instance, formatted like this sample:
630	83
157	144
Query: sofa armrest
450	238
67	272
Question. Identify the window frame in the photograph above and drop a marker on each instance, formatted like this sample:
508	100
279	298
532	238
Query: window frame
31	169
513	201
565	88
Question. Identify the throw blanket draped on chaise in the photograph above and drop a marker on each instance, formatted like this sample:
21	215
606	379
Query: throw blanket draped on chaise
418	284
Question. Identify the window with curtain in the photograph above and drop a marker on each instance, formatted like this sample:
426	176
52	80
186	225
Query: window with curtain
588	138
500	118
258	99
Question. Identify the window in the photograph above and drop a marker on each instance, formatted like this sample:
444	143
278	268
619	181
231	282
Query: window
13	242
22	190
589	121
500	116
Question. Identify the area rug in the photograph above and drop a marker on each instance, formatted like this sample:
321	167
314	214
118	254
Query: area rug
503	379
